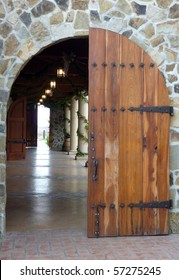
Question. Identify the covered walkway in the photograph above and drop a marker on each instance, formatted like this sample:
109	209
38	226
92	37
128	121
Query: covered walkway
47	214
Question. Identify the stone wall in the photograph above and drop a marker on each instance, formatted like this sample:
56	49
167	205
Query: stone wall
28	26
57	126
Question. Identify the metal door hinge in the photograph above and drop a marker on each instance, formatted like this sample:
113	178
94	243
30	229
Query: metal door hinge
153	204
97	214
153	109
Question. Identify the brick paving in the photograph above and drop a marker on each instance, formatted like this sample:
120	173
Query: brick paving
74	245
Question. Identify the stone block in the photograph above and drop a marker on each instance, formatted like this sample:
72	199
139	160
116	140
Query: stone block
174	101
174	40
104	6
176	88
4	95
157	41
2	173
168	27
39	31
70	16
174	157
94	16
172	78
175	119
171	55
1	46
63	4
177	182
174	11
2	190
148	31
2	11
57	18
164	3
32	3
124	6
2	158
80	5
174	136
170	67
2	129
5	29
81	21
127	33
26	18
137	22
171	179
174	222
11	45
139	9
3	66
155	14
43	8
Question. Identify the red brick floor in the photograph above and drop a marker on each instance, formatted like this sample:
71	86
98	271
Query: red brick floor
74	245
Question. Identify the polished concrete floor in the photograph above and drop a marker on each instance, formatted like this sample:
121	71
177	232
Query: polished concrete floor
47	190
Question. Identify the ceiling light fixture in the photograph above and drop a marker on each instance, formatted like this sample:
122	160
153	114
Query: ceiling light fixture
52	84
48	92
60	72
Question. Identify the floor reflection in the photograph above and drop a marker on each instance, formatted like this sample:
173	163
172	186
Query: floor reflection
47	190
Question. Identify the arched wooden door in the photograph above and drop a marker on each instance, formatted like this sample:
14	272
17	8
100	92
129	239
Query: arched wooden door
16	130
129	117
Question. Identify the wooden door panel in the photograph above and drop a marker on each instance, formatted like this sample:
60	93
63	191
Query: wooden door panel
16	130
130	155
31	125
130	145
96	132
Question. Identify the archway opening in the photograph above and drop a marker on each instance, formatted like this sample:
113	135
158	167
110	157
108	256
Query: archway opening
43	124
47	189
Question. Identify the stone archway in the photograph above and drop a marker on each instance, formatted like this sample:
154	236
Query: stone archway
29	26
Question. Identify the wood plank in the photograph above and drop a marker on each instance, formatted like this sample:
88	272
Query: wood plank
16	130
163	156
111	137
150	155
96	126
130	155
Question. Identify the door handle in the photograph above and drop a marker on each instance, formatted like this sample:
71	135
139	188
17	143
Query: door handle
95	165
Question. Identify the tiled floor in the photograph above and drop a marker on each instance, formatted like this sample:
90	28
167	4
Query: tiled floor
74	245
46	215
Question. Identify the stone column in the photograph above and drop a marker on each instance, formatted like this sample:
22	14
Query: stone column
74	125
67	119
67	129
82	123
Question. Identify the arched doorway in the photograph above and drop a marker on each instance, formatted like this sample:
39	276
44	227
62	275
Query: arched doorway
46	189
105	215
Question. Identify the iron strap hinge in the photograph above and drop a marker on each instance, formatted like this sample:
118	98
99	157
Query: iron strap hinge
97	213
154	109
154	204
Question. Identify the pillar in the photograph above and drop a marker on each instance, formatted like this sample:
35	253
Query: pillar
82	126
67	120
73	124
67	128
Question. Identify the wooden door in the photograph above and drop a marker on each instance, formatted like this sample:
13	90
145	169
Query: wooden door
16	130
31	124
129	115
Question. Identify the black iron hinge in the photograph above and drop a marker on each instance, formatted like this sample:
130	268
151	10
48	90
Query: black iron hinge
153	204
153	109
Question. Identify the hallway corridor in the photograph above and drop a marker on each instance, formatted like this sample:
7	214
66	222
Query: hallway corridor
47	190
47	213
